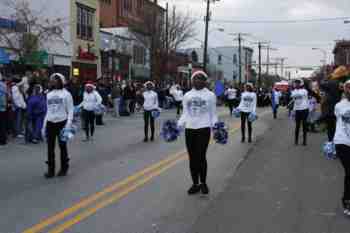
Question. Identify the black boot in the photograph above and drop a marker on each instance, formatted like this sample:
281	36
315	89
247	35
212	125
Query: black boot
304	139
64	168
51	170
296	140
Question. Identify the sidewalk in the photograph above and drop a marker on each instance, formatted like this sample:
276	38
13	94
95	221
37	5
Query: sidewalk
280	188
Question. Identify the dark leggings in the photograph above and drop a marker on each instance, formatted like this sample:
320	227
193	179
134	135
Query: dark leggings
331	125
178	107
53	131
244	119
343	153
148	118
197	141
301	119
89	122
231	105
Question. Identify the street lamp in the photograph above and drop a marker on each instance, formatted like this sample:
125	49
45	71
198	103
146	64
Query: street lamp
324	60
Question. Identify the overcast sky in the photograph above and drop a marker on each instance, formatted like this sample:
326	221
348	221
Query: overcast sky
293	41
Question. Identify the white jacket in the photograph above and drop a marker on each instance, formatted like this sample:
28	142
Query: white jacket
91	101
248	102
199	109
150	101
18	98
301	99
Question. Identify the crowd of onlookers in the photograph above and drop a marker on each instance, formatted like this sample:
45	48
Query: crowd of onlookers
23	102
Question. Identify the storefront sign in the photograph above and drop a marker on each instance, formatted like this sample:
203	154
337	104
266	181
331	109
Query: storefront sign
86	55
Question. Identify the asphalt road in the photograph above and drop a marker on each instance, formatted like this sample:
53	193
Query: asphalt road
117	183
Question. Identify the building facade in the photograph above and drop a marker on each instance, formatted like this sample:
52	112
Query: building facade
342	53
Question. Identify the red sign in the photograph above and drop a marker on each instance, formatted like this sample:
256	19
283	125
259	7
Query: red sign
86	55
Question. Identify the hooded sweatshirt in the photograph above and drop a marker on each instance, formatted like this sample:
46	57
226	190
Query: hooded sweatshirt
199	109
91	101
248	102
36	106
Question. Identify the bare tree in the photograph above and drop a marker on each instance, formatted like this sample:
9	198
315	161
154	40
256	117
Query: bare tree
160	38
28	30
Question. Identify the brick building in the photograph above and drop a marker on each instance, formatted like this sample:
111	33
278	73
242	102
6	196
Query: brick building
342	53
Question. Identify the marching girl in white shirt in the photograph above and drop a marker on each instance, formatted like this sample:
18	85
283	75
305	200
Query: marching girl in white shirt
198	117
300	97
231	94
247	106
91	101
342	142
150	103
59	115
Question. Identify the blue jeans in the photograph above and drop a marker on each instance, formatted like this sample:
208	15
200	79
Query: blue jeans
19	121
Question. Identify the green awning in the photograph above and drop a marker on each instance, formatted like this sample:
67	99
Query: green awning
38	58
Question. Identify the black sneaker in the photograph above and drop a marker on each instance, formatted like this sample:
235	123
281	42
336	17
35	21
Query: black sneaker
204	189
194	189
145	140
346	206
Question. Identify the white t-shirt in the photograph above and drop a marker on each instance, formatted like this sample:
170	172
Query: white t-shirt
59	107
150	100
301	99
248	102
231	93
178	95
91	100
277	96
342	133
199	109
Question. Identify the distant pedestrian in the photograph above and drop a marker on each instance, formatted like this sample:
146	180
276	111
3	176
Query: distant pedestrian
19	106
342	142
116	95
59	115
198	117
178	95
300	98
247	106
150	104
3	108
231	94
91	101
275	101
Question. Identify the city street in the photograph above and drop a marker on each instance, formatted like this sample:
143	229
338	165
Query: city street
116	183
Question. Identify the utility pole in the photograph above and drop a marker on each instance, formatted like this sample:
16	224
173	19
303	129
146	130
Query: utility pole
259	77
239	59
167	39
207	19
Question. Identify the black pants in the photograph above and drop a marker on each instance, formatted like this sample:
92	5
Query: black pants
275	111
178	107
343	153
89	122
231	104
197	141
149	120
99	119
244	119
331	125
301	119
3	128
53	131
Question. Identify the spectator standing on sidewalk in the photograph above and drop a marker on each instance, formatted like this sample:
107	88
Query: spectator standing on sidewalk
116	94
19	105
300	98
59	115
178	95
127	97
247	106
150	103
198	117
3	108
91	101
36	112
342	142
103	91
231	94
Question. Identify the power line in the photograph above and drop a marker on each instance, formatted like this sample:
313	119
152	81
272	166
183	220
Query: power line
279	21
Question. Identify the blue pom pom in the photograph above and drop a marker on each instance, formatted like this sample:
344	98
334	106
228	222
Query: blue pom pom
100	109
329	150
67	134
236	112
170	132
155	113
252	117
77	111
220	133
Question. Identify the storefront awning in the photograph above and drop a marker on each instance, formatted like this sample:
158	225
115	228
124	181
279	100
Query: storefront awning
4	57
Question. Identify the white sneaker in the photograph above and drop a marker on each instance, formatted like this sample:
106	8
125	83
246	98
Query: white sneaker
20	136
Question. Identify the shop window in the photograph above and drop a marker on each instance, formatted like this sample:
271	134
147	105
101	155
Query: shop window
85	22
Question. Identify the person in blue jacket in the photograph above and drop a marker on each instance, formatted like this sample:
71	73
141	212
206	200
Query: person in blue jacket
36	111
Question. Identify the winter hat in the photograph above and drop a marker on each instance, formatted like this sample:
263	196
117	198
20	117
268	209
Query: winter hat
149	82
347	83
90	84
199	73
60	76
299	81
